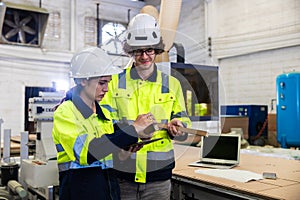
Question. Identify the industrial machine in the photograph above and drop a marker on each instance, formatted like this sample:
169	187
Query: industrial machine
15	191
200	85
288	109
257	116
44	163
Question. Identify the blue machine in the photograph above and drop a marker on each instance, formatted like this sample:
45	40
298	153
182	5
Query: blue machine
288	109
257	115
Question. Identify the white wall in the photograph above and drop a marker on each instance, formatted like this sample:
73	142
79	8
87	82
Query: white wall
255	41
22	66
243	26
18	70
251	79
191	32
252	42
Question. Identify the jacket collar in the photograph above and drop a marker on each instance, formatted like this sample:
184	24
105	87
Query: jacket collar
134	75
84	109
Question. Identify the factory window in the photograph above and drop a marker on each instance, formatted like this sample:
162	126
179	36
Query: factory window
111	36
89	31
53	28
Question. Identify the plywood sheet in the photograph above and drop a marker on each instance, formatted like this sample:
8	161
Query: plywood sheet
291	192
286	186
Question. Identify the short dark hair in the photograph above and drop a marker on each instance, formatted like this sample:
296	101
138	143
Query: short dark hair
159	48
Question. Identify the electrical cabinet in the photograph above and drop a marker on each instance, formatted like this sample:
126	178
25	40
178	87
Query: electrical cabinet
257	115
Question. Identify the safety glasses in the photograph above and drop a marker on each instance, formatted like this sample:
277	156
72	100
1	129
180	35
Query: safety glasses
139	52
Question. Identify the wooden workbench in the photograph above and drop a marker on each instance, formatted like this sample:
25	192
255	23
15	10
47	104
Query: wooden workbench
286	186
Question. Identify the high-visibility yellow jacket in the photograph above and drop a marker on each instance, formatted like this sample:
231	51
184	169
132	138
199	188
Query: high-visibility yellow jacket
161	95
73	130
77	133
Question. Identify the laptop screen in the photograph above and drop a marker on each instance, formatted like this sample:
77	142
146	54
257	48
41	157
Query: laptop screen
223	147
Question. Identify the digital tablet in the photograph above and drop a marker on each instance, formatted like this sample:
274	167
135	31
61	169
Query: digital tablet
143	142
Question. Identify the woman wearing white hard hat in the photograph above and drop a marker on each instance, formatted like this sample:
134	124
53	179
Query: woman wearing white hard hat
84	134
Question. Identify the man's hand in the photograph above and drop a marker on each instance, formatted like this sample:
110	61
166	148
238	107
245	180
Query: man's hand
142	122
172	128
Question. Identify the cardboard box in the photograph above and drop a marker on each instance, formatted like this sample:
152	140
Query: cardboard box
229	122
272	122
272	139
272	130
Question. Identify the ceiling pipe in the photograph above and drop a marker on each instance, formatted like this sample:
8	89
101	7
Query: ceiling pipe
128	16
98	25
73	26
180	52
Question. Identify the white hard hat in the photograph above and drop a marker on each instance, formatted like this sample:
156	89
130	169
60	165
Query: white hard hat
143	30
92	62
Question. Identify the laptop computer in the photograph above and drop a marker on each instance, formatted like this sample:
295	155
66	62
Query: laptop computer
219	151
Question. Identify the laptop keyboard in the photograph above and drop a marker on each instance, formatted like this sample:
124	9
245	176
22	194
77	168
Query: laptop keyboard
213	163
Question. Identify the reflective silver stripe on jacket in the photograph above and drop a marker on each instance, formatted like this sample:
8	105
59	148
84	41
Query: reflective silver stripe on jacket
74	165
157	155
78	146
165	83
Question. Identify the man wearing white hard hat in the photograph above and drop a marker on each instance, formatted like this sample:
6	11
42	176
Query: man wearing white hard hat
146	174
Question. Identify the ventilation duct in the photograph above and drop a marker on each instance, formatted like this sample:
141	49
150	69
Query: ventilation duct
168	21
22	24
